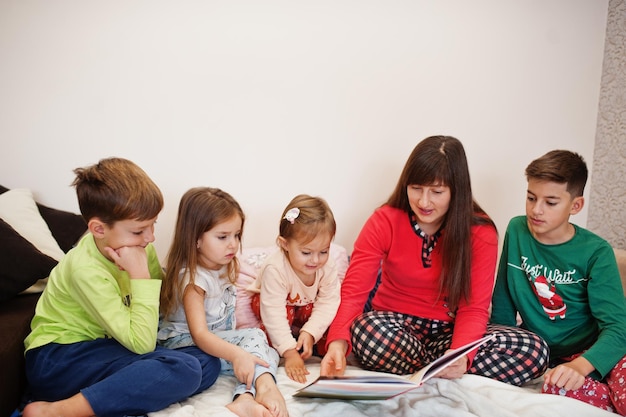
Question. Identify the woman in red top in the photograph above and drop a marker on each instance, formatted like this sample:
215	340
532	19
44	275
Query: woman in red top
431	250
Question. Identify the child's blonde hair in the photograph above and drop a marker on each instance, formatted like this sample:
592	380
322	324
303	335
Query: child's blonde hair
200	210
305	217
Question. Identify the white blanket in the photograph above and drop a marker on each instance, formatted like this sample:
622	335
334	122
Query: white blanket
466	397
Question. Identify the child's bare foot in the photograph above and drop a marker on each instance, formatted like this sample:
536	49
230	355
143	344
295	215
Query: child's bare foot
38	408
267	393
76	406
246	406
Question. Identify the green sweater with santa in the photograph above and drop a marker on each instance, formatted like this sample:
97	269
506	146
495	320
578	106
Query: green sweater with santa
570	294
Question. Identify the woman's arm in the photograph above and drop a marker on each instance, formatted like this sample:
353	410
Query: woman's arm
472	315
369	251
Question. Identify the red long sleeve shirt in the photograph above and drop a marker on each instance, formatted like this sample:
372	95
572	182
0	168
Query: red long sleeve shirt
406	286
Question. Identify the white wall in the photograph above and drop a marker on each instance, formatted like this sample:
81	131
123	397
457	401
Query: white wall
270	99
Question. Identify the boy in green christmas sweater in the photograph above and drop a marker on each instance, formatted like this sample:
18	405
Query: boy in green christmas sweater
564	282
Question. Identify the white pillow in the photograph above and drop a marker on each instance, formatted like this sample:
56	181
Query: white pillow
19	210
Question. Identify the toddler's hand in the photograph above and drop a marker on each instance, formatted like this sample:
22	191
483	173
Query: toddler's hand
305	345
294	366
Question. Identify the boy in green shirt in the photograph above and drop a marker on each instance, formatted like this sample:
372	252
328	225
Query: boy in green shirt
564	282
92	347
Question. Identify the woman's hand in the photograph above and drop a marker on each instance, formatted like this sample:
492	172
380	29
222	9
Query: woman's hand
334	362
454	370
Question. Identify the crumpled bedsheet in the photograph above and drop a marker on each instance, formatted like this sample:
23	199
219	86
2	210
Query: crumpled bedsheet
468	396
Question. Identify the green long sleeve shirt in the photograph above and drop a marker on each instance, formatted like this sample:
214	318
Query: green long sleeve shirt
570	294
87	297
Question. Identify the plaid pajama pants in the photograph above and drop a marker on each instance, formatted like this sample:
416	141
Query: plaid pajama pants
402	344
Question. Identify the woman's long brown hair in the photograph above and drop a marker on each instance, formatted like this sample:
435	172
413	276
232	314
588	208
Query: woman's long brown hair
442	159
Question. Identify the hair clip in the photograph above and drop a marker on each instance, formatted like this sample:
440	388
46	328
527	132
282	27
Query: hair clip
292	214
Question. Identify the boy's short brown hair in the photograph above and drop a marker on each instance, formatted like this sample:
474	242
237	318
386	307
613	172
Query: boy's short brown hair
116	189
562	167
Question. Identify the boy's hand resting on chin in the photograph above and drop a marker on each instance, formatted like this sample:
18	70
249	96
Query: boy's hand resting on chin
132	259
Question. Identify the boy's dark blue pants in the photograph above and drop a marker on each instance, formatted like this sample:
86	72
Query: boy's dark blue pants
116	381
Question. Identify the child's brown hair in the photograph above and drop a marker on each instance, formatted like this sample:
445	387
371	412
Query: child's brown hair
200	209
116	189
305	217
562	167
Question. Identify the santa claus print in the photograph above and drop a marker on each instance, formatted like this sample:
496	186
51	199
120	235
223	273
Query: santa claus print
551	302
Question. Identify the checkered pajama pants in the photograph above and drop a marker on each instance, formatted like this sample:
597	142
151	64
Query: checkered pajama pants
402	344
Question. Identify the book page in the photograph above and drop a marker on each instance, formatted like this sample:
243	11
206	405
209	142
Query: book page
446	360
383	386
370	387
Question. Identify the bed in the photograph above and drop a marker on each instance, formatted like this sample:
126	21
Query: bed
465	397
468	396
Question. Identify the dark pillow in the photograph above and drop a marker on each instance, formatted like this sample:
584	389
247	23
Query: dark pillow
66	227
22	263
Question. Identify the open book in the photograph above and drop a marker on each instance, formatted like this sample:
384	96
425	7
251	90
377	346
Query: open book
380	387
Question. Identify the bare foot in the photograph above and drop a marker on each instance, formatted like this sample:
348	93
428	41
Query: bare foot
76	406
38	408
267	393
246	406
